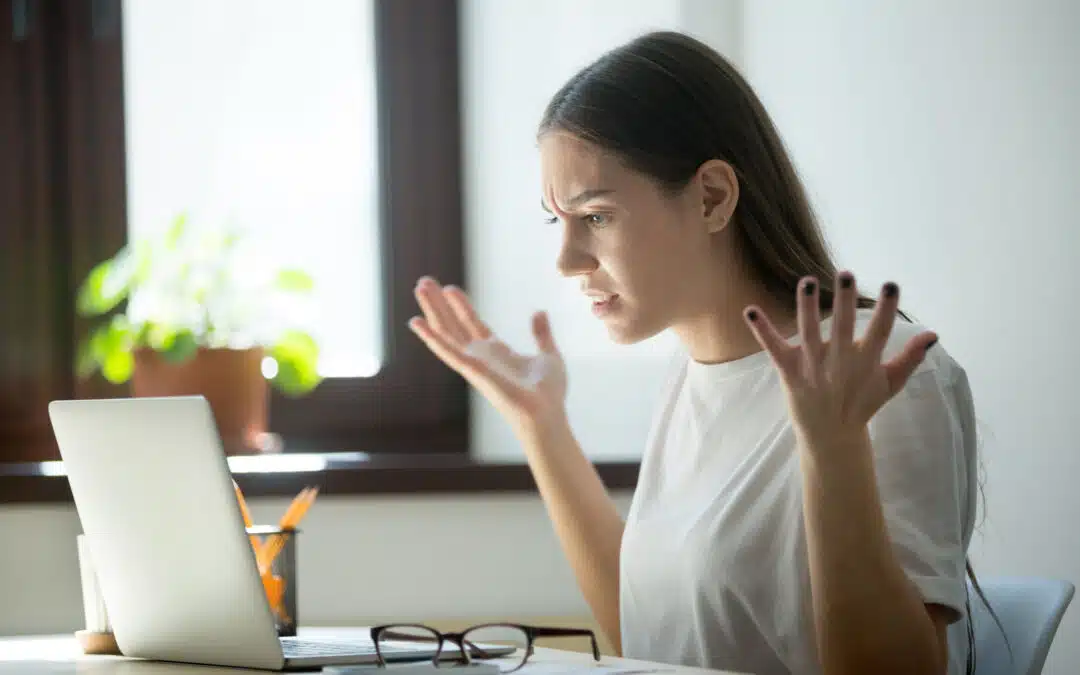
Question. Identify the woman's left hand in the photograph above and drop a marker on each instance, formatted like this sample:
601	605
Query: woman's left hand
834	388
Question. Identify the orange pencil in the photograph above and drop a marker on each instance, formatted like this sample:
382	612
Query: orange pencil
297	508
291	518
243	504
247	514
302	509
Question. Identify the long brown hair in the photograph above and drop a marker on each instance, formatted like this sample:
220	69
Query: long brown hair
664	104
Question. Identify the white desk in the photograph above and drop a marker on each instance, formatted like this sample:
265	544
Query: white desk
60	655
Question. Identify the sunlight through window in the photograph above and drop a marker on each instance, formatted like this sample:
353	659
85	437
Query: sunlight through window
260	115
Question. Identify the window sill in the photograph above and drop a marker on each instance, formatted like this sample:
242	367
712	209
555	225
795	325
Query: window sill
340	473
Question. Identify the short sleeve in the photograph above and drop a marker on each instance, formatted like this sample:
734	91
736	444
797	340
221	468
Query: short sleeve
922	460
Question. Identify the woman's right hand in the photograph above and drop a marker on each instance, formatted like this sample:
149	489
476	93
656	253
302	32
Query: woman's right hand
528	390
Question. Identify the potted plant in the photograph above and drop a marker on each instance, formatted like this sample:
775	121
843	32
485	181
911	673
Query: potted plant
197	312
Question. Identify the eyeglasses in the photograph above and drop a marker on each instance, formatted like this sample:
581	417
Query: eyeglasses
510	642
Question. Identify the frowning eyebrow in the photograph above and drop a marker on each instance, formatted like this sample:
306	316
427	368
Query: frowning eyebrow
580	198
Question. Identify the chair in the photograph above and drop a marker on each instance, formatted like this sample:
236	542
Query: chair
1030	610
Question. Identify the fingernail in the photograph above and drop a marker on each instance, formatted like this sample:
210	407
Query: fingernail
891	290
931	344
752	315
845	281
809	288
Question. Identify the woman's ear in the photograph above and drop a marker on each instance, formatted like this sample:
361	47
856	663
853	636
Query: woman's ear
719	193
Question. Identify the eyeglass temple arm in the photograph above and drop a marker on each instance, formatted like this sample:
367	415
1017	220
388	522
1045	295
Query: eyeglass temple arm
561	632
408	637
569	632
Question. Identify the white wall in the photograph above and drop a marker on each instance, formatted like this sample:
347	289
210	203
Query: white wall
510	74
359	560
941	143
516	54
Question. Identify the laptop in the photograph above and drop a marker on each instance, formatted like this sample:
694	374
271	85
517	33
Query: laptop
155	497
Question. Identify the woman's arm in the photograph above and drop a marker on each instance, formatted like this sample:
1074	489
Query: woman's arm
869	617
530	392
589	527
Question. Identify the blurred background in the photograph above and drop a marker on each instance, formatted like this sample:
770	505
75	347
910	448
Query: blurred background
361	143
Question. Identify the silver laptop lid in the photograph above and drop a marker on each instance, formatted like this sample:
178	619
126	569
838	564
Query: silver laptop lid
155	497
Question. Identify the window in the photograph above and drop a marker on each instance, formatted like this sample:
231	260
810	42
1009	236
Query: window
268	126
329	129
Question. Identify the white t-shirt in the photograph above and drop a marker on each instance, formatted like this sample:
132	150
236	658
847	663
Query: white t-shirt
714	569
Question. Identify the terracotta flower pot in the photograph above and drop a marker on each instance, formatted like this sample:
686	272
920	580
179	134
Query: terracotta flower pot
231	380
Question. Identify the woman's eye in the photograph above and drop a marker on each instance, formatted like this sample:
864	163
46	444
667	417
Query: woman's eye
592	219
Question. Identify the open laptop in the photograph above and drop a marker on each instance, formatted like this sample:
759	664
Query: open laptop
155	496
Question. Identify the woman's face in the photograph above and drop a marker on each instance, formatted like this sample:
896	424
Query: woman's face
642	256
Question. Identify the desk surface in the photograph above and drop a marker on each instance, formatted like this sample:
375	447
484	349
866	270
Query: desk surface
60	655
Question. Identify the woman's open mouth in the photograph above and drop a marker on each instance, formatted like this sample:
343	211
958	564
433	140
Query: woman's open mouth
604	304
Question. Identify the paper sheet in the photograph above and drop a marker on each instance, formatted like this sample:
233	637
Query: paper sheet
548	668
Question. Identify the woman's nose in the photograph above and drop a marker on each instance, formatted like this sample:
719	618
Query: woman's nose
573	260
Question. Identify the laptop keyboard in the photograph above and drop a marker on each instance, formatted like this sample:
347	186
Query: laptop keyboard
299	647
294	647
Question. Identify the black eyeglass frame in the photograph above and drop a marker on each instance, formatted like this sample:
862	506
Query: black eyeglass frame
467	655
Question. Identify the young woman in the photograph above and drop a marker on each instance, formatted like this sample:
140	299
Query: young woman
807	492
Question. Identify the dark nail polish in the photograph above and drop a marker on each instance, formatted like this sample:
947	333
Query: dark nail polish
891	290
846	281
932	343
752	315
809	288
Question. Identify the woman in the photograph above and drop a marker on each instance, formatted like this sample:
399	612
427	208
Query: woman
806	497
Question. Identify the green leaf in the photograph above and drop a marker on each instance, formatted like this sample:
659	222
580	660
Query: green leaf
294	280
90	300
107	285
294	381
183	347
140	335
176	232
298	345
297	357
108	347
118	366
160	337
142	261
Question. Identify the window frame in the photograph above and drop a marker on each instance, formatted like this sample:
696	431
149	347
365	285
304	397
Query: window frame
67	201
414	403
71	62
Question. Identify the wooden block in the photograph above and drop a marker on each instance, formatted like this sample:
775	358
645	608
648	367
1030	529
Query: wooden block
97	643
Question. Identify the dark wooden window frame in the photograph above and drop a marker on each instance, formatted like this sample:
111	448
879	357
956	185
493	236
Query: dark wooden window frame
62	197
415	403
65	67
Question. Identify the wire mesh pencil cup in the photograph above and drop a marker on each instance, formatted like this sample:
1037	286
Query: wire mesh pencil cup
275	555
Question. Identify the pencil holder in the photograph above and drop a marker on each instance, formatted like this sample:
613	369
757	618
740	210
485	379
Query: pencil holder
275	556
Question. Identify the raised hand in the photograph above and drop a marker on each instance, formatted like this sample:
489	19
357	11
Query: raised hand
527	389
834	388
